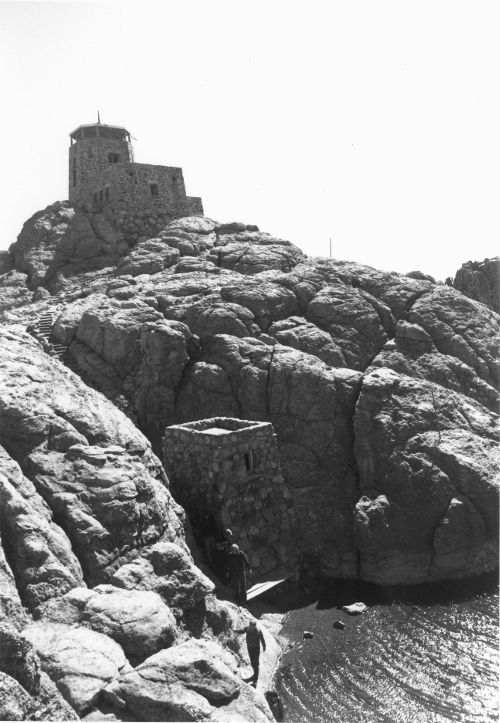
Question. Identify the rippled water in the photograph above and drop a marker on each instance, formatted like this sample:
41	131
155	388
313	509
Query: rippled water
434	660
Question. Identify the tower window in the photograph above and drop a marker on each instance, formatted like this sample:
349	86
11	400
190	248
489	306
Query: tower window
250	461
114	157
101	195
154	189
106	193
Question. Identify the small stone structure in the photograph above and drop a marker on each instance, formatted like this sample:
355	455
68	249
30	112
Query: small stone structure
230	468
140	198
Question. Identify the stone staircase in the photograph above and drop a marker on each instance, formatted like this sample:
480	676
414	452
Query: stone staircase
42	331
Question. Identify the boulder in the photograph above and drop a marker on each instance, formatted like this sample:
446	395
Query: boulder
354	321
398	292
267	302
212	316
181	683
354	609
201	225
413	354
148	257
297	333
137	619
61	240
170	572
250	706
250	252
190	236
80	661
462	328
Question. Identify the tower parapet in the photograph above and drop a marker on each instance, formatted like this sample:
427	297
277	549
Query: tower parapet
140	198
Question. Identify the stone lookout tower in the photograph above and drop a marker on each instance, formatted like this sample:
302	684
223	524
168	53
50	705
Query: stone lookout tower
230	469
140	198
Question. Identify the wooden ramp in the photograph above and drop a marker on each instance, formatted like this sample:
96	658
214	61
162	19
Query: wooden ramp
269	581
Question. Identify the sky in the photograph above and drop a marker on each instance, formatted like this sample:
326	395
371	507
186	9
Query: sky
373	124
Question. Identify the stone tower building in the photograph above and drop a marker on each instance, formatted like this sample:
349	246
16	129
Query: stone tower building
140	198
230	469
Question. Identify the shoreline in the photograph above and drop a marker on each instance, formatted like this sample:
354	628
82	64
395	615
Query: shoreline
272	614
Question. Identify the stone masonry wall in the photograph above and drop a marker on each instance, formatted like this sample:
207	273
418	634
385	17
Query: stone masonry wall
88	159
234	473
140	213
124	195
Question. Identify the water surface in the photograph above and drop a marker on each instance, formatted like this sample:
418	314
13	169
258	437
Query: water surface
433	658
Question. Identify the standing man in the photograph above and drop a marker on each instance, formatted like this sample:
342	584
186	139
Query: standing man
254	640
237	567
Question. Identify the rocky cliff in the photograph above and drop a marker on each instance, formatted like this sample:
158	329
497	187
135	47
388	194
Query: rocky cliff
381	387
480	280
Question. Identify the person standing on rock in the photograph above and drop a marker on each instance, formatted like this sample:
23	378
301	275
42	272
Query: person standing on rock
237	568
255	639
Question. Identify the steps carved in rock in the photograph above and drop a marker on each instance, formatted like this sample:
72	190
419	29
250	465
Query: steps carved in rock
42	330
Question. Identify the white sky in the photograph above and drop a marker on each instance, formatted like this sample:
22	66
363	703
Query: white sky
375	123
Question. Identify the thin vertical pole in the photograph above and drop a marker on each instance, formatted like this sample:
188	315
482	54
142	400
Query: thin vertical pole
330	247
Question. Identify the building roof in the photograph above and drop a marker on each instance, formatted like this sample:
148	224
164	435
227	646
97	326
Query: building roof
80	131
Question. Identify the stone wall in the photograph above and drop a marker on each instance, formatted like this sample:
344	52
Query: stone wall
230	468
143	198
123	192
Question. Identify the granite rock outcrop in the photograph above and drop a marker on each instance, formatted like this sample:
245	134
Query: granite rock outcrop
382	389
61	242
178	331
84	503
26	692
428	505
480	280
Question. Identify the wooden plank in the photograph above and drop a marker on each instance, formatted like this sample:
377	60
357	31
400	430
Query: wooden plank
262	587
